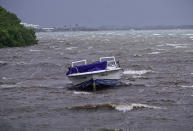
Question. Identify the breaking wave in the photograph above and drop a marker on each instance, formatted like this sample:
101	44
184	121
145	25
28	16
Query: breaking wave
188	34
114	106
9	85
156	34
32	50
177	45
135	72
3	62
153	53
71	48
81	93
184	86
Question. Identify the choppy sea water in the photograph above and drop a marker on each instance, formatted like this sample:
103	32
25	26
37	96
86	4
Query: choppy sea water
156	91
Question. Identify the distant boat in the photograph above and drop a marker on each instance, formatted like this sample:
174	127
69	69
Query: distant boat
105	72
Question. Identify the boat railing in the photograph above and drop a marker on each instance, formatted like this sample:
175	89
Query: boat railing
79	63
111	62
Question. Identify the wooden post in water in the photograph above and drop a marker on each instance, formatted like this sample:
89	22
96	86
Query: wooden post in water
94	85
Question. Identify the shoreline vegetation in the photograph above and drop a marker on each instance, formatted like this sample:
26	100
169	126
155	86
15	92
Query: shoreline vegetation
12	33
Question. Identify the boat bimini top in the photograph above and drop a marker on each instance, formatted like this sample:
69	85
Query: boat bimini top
82	66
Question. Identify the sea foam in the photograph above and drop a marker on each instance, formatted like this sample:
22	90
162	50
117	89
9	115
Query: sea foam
114	106
71	48
185	86
81	93
154	53
135	72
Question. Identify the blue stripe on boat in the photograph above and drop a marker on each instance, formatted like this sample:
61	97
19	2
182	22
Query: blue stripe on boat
88	85
107	82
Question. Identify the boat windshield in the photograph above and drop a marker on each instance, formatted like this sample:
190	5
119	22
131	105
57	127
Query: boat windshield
110	61
107	59
78	63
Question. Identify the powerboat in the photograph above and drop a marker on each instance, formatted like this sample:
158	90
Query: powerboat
103	73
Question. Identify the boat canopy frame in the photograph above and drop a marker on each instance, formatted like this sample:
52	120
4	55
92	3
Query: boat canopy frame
79	63
111	62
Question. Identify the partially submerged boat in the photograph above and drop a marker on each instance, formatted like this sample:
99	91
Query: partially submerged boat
105	72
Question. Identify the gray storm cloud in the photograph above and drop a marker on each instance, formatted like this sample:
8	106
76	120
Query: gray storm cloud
102	12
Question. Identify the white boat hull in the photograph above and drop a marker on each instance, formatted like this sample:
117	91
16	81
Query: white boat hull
114	74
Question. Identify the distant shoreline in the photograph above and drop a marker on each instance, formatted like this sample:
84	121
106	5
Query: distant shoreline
69	29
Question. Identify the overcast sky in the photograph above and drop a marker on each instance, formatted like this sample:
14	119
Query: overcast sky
58	13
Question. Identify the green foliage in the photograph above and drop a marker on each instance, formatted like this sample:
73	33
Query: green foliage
12	33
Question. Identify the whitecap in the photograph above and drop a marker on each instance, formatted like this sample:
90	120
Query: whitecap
188	34
22	63
160	45
60	87
106	40
118	107
133	106
156	34
4	78
71	48
3	62
135	72
62	53
180	46
171	45
189	51
81	93
9	85
123	108
139	77
171	34
90	47
177	46
161	49
191	37
154	53
32	50
126	83
93	36
185	86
